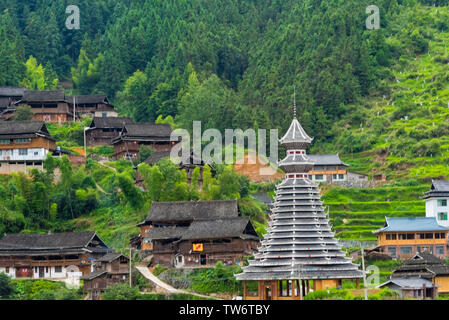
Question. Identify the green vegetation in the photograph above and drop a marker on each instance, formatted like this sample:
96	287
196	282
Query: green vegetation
356	212
6	286
344	294
43	290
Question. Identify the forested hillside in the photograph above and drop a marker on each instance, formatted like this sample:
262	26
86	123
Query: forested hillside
375	96
228	63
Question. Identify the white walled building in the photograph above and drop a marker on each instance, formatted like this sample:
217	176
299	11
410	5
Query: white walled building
437	201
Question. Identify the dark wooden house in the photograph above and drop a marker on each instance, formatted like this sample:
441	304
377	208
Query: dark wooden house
48	256
103	130
96	105
422	276
48	106
110	269
24	145
127	144
197	233
9	96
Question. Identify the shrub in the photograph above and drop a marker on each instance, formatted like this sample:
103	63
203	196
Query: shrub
120	291
6	286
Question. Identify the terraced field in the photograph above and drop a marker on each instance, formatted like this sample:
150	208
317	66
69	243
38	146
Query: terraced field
355	212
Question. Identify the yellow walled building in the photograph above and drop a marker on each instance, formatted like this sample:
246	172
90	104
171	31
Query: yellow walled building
402	238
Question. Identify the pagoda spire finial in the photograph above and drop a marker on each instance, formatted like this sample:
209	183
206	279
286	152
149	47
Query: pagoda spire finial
294	102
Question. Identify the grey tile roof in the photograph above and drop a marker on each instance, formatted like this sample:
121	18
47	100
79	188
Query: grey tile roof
425	264
409	283
192	210
239	227
438	189
52	241
44	96
220	228
12	91
93	275
148	129
89	99
326	159
411	224
110	257
110	122
18	128
165	233
440	185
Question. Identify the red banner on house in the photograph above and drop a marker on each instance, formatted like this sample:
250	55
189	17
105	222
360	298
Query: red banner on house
197	247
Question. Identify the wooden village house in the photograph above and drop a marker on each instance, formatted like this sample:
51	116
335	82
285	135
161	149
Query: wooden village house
329	169
402	238
48	106
197	233
103	130
8	97
50	256
110	269
96	105
422	276
133	136
23	145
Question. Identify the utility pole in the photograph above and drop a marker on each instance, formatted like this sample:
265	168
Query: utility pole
74	109
364	274
130	267
85	147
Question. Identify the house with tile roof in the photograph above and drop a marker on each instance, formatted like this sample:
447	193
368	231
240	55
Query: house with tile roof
50	256
197	233
402	238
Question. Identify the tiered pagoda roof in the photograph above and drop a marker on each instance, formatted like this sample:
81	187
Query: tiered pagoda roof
299	243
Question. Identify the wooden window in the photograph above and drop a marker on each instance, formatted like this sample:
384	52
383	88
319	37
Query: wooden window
5	141
442	202
392	251
406	250
27	140
429	235
439	250
402	236
393	236
388	236
23	152
410	236
58	269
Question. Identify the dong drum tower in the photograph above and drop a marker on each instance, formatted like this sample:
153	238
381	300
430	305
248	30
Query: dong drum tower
299	251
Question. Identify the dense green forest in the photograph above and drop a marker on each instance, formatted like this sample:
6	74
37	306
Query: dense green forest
230	64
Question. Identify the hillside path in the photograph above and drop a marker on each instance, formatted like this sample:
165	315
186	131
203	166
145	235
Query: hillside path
151	277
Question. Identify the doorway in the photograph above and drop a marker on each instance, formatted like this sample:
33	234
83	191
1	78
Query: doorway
41	272
268	293
203	259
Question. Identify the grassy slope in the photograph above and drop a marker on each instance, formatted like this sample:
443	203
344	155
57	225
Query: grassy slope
417	147
355	213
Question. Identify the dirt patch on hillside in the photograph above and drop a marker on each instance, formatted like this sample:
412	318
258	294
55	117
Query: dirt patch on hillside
257	169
